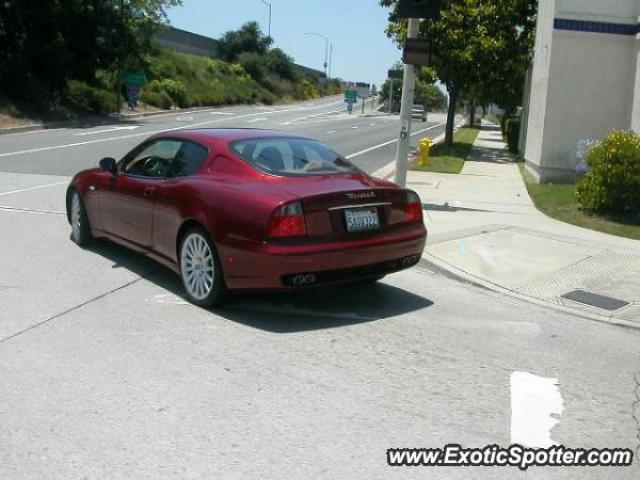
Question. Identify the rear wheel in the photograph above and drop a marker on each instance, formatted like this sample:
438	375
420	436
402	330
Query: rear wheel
200	270
80	230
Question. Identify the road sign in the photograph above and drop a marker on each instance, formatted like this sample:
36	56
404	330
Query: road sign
395	74
351	96
417	51
134	78
419	8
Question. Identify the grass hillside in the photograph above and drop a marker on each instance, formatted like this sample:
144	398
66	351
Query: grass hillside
181	80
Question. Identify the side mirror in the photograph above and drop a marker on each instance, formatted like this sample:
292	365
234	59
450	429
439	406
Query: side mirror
109	164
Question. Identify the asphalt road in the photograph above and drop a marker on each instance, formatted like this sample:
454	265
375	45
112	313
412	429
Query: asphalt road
65	151
107	373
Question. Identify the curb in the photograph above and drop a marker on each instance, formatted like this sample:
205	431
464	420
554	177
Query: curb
430	261
386	172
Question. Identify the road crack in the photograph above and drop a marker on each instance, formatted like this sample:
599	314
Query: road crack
74	308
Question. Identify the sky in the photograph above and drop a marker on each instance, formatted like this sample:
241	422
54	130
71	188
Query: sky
361	50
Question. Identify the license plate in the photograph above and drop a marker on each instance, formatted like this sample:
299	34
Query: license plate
362	219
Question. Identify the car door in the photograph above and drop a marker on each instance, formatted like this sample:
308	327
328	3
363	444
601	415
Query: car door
128	201
175	196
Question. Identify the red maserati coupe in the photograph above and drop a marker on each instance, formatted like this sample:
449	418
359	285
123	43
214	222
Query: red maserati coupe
245	209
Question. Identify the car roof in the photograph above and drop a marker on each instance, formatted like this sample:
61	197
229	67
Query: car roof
208	136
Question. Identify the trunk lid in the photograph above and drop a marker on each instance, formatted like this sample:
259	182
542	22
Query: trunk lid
327	200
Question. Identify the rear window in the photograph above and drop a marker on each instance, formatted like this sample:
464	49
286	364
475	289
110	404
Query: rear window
291	156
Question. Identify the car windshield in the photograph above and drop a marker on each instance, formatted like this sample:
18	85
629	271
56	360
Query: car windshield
418	108
291	156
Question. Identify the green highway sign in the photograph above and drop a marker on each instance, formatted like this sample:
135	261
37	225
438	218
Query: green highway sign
134	78
351	95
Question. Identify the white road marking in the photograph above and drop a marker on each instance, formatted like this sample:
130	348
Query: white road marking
34	188
222	113
184	119
133	135
289	122
331	131
354	127
372	124
371	149
533	402
112	129
31	210
254	120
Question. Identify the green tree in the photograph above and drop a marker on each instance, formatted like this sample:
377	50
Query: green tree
249	38
480	48
45	43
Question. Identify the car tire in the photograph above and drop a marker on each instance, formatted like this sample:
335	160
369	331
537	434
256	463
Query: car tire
80	228
200	269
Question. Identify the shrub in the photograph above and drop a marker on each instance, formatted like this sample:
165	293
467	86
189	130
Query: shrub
254	64
173	88
90	98
613	184
512	134
156	99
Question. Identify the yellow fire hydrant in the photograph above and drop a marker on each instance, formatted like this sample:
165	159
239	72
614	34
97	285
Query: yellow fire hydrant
425	150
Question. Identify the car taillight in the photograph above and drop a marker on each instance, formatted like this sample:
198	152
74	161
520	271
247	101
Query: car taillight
413	208
287	221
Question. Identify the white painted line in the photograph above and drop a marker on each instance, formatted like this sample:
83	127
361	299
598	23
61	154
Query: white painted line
133	135
184	119
372	124
254	120
34	188
390	142
533	402
289	122
332	131
222	113
354	127
31	210
112	129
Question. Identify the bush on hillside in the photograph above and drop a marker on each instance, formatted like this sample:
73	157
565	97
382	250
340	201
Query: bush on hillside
174	89
613	184
254	64
156	99
90	98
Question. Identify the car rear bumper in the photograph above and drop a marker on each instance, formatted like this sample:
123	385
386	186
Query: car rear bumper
276	267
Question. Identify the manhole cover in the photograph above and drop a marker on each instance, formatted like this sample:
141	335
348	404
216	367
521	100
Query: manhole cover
595	300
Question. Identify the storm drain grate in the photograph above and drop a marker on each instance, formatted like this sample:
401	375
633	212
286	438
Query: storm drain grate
595	300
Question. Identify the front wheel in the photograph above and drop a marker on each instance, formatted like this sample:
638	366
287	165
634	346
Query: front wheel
80	229
200	270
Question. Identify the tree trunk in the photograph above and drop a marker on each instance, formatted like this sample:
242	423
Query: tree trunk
472	114
451	117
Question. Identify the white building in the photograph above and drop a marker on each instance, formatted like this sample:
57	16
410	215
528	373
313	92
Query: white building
584	82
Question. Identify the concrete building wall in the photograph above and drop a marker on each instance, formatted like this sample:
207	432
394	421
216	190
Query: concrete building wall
539	86
585	80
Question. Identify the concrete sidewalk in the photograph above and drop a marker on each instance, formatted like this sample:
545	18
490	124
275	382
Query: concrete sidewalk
485	229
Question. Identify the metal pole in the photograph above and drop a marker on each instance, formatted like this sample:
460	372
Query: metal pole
330	58
268	4
326	56
408	87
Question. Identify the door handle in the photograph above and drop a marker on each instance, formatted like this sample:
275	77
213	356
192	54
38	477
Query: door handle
148	191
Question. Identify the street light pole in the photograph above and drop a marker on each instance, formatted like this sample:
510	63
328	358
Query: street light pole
326	48
268	4
330	58
408	87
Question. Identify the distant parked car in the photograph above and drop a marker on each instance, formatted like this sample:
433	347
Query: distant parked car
418	111
243	209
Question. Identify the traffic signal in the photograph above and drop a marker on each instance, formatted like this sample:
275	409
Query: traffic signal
419	8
